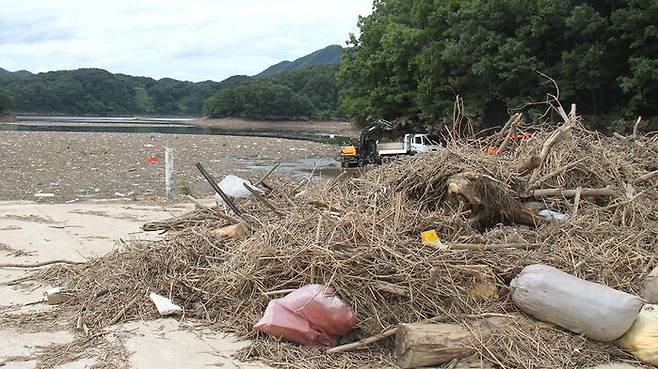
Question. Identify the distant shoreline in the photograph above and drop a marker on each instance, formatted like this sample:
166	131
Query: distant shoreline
9	118
333	132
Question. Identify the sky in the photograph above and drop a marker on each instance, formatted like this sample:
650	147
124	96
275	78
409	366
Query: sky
193	40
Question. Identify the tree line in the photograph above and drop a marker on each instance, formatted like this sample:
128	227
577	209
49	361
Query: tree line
306	93
96	91
6	101
413	57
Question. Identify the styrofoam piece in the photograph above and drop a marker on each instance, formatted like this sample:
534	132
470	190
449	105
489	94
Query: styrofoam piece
164	305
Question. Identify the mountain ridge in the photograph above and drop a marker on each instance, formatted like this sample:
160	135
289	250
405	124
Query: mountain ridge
18	73
329	55
98	91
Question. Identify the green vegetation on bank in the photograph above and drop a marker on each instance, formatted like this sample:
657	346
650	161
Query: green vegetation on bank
415	56
301	93
6	101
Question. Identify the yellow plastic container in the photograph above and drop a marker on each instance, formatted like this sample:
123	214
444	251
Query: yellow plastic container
429	237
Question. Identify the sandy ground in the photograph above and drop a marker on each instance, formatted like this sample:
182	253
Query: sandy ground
31	232
57	167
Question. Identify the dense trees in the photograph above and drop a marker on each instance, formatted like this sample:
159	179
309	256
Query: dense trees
300	93
6	101
95	91
303	93
414	56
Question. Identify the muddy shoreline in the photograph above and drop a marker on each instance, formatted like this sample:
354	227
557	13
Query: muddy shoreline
60	167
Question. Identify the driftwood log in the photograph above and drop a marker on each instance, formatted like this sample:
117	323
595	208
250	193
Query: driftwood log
607	191
420	345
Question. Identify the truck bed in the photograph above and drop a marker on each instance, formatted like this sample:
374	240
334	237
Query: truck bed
390	146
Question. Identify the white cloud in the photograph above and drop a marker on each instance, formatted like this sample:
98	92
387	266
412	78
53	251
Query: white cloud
192	40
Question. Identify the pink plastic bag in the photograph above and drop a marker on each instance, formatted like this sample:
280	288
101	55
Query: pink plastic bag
312	315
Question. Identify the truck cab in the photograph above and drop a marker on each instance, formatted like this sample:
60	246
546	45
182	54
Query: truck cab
421	143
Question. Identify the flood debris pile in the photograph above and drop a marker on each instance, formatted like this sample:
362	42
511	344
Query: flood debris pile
360	236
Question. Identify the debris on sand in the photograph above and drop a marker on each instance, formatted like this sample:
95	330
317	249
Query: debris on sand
360	236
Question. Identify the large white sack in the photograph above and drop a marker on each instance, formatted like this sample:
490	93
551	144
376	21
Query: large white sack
594	310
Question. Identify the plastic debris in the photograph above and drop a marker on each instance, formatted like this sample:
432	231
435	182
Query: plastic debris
239	230
594	310
312	315
57	295
642	338
234	186
164	305
429	237
553	215
44	194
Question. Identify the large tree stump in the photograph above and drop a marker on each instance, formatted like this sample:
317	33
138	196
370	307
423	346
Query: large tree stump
490	200
419	345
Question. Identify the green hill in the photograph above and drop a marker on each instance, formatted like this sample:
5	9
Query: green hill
96	91
330	55
19	73
90	91
302	93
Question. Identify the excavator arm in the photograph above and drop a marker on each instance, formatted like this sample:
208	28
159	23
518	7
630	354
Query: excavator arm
366	151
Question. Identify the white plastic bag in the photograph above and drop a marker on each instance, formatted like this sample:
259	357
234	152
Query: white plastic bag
594	310
164	305
553	215
234	186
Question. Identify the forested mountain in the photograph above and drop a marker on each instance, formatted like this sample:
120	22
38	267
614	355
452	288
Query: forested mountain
330	55
18	73
96	91
300	93
413	57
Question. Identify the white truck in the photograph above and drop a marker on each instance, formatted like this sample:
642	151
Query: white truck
412	143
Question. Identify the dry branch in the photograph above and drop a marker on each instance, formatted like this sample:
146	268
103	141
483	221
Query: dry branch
550	142
123	311
636	128
475	247
364	342
39	265
516	120
262	199
646	177
607	191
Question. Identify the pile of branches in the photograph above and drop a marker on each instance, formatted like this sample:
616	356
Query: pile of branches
360	235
